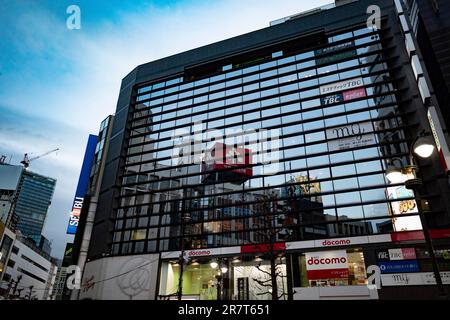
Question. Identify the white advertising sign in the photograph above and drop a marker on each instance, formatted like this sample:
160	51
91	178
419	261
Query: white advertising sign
350	136
322	260
326	264
413	279
341	85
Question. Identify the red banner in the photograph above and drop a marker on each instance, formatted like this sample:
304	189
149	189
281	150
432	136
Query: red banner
260	248
327	274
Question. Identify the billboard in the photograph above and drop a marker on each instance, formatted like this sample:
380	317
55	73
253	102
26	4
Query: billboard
326	264
401	207
227	162
83	184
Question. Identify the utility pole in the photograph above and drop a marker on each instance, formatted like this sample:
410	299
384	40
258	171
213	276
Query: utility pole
31	291
17	283
9	288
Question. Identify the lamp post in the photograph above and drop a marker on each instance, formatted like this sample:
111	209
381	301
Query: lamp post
423	147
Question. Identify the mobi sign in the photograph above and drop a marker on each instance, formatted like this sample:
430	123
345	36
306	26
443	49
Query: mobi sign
326	264
83	183
341	86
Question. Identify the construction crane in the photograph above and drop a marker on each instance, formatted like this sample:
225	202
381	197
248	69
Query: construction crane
26	161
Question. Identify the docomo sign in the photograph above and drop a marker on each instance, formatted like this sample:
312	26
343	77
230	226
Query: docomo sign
199	253
340	242
327	264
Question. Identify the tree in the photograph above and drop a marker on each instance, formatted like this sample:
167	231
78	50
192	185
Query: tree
268	233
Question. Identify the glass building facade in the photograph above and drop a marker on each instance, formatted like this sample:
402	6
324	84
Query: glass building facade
267	154
34	196
334	112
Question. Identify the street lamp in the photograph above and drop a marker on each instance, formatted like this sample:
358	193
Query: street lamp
423	147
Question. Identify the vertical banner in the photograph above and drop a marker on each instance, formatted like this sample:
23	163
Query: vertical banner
83	184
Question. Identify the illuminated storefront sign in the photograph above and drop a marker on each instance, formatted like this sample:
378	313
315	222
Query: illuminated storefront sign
83	184
396	254
399	266
413	279
403	207
354	94
350	136
327	264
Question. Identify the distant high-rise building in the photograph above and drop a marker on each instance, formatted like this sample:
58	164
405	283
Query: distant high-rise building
34	196
25	197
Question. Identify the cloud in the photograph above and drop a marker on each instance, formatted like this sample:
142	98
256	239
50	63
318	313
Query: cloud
58	84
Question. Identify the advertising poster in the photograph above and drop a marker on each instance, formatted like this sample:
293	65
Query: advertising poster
403	207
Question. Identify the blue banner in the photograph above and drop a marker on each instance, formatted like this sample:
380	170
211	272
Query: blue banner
83	184
399	266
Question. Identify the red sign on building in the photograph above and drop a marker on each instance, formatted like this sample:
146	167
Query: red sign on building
228	163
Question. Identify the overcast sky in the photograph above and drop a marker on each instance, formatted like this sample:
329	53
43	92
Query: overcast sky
57	85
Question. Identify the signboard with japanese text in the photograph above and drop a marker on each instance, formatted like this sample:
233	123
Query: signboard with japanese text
350	136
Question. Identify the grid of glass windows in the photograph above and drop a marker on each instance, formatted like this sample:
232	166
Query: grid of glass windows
335	112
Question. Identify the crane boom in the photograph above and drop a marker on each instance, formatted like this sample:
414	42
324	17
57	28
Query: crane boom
26	161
